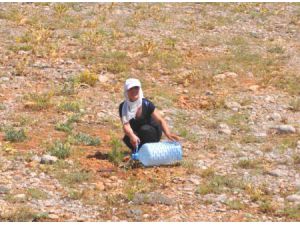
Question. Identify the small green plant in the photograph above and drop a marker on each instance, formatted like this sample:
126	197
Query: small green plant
116	62
73	106
209	172
68	125
76	177
65	127
38	101
68	88
291	212
276	49
14	135
134	186
18	214
75	195
60	9
86	139
36	193
296	159
295	104
88	78
189	165
2	106
115	155
266	207
217	183
59	149
248	164
235	205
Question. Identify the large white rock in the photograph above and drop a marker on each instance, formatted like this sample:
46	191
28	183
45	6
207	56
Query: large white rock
293	198
285	129
48	159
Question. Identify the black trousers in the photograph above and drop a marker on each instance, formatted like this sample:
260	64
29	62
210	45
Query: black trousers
147	134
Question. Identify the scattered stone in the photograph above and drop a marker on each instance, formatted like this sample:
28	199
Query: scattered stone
3	190
194	180
285	129
20	197
4	79
275	116
136	213
293	198
277	173
221	198
152	198
48	159
100	186
222	76
102	78
298	185
224	129
209	93
36	158
53	216
254	87
234	106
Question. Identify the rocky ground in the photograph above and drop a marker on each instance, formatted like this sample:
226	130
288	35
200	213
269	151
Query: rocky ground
225	77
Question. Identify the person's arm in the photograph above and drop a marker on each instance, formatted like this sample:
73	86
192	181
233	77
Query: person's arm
134	140
159	119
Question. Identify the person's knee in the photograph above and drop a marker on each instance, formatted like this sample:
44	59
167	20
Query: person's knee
148	133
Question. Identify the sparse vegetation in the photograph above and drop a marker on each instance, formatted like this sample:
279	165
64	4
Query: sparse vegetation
82	138
38	101
20	213
59	149
62	60
72	106
115	155
248	164
14	135
235	204
295	104
88	78
217	184
36	193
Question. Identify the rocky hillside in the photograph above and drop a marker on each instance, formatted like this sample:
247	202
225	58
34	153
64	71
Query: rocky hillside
225	76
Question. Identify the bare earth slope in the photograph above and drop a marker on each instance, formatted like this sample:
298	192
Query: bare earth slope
225	76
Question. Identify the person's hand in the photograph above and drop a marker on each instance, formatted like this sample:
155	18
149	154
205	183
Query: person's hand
172	137
135	141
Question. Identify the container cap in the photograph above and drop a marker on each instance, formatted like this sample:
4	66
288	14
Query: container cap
135	156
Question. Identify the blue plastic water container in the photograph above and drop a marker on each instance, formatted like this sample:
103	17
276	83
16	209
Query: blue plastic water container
159	153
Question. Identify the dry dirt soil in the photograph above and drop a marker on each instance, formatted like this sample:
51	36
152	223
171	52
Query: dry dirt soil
225	76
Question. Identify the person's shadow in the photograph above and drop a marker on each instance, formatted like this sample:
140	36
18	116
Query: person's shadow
99	155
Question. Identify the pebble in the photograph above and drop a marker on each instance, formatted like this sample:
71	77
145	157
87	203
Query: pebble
275	116
224	129
234	106
277	173
36	158
285	129
253	87
20	197
293	198
102	78
53	216
48	159
297	185
222	76
4	190
4	78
